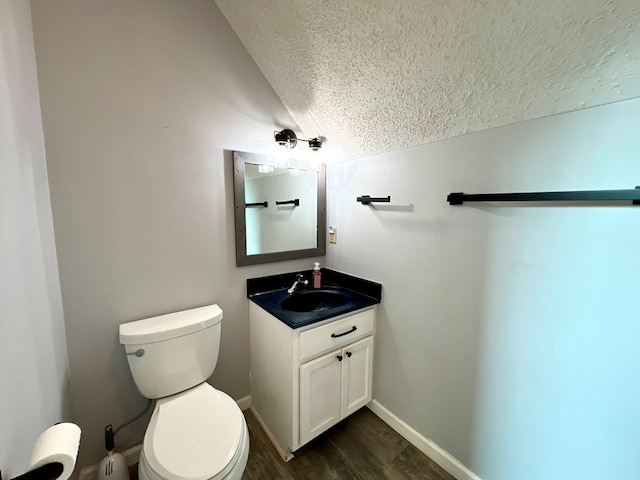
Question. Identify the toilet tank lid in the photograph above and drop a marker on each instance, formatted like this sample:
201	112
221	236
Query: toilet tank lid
170	325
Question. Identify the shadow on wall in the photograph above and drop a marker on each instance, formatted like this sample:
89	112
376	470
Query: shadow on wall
295	70
294	61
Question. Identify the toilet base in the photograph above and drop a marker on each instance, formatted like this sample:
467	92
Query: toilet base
240	462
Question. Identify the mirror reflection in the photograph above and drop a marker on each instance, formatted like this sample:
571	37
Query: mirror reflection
279	210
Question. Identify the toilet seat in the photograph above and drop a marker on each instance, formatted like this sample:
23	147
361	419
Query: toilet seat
194	435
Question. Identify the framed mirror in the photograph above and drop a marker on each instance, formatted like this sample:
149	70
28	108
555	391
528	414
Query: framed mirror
280	211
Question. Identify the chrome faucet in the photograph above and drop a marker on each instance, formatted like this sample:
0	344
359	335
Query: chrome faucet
299	280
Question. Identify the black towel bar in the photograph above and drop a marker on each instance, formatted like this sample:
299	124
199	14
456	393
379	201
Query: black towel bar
295	201
459	198
257	204
366	199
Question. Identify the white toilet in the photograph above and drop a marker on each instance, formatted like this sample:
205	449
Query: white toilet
196	432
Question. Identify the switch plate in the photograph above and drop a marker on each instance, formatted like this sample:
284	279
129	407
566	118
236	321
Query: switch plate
332	234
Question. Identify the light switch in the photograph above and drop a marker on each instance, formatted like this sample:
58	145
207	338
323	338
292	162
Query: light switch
332	233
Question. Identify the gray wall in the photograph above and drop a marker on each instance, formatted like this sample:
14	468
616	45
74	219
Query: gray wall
508	334
33	357
139	100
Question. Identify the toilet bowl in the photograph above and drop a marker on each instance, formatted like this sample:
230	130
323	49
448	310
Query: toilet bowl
199	434
196	432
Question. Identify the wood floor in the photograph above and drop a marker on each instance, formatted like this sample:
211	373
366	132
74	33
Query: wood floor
360	447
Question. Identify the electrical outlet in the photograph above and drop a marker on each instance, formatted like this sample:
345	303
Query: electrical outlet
332	233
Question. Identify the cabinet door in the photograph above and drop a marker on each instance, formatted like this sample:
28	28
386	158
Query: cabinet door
319	395
357	375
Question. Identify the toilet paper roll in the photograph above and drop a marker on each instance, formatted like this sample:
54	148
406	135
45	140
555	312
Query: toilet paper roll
59	443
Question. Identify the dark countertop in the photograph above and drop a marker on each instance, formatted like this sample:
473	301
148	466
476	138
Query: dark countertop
269	292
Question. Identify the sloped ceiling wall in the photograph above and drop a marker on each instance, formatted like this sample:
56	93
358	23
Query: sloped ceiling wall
377	75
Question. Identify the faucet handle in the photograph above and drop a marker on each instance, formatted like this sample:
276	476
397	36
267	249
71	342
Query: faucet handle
300	277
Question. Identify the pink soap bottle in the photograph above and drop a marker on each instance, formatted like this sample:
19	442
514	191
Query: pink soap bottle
317	275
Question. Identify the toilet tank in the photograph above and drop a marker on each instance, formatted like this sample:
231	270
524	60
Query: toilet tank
171	353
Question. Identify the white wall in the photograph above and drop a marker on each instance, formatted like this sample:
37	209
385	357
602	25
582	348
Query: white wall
33	357
508	334
139	101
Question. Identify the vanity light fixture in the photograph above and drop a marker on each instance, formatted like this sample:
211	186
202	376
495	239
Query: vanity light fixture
265	168
288	139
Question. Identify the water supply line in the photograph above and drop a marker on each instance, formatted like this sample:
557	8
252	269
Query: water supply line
129	422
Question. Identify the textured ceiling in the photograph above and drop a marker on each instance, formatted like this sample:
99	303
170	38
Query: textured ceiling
377	75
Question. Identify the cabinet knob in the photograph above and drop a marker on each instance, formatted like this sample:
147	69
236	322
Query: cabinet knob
339	357
349	354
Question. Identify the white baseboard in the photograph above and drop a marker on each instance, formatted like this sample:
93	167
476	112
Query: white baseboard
132	455
244	403
422	443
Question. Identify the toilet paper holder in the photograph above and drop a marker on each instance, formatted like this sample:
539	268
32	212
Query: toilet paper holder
48	471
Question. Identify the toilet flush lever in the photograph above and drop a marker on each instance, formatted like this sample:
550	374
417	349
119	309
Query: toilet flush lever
138	353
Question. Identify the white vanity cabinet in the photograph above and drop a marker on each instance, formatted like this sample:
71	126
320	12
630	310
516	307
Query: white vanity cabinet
305	380
334	386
